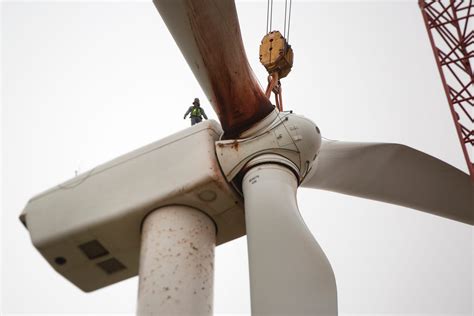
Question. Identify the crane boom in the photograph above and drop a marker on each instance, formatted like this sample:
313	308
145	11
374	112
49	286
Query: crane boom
450	30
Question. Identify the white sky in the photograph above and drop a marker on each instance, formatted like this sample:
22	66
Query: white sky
93	80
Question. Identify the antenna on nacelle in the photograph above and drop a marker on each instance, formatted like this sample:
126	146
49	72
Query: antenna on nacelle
77	170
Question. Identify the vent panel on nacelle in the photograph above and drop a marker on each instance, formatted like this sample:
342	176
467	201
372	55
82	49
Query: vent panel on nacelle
89	227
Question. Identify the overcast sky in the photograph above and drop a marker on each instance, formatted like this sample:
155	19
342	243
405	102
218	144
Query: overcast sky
85	82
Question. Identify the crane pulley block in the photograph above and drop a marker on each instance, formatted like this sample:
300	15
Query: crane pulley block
276	54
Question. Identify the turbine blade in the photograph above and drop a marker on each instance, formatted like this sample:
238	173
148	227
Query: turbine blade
396	174
289	272
208	34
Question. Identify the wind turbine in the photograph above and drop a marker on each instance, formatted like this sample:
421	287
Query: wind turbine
266	155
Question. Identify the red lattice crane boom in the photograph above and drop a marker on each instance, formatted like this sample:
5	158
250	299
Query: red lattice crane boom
449	26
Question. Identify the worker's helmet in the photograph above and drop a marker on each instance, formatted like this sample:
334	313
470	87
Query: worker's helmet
196	101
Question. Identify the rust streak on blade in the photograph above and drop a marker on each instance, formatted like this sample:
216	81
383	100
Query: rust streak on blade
239	101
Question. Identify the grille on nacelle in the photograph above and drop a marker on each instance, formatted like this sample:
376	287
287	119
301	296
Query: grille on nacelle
111	265
93	249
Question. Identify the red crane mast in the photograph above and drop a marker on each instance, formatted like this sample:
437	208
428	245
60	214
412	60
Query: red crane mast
452	39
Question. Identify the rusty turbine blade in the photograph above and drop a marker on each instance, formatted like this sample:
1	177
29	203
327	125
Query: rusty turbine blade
208	34
396	174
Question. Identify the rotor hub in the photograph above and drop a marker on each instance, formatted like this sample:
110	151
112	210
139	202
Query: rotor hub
283	138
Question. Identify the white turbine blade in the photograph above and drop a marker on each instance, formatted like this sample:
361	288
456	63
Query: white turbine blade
289	272
396	174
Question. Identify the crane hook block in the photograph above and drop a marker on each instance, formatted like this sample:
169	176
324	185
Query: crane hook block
276	54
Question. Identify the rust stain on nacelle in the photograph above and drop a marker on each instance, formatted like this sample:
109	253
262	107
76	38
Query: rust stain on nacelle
235	145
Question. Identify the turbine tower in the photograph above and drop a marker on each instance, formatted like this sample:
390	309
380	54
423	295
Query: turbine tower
132	216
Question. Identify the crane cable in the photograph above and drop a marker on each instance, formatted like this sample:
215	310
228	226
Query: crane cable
286	32
286	26
269	16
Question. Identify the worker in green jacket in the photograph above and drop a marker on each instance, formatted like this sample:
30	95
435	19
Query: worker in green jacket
197	112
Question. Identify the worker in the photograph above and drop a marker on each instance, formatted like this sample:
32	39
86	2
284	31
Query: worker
197	112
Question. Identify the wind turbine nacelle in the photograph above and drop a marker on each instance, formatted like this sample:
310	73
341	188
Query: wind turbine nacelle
89	228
